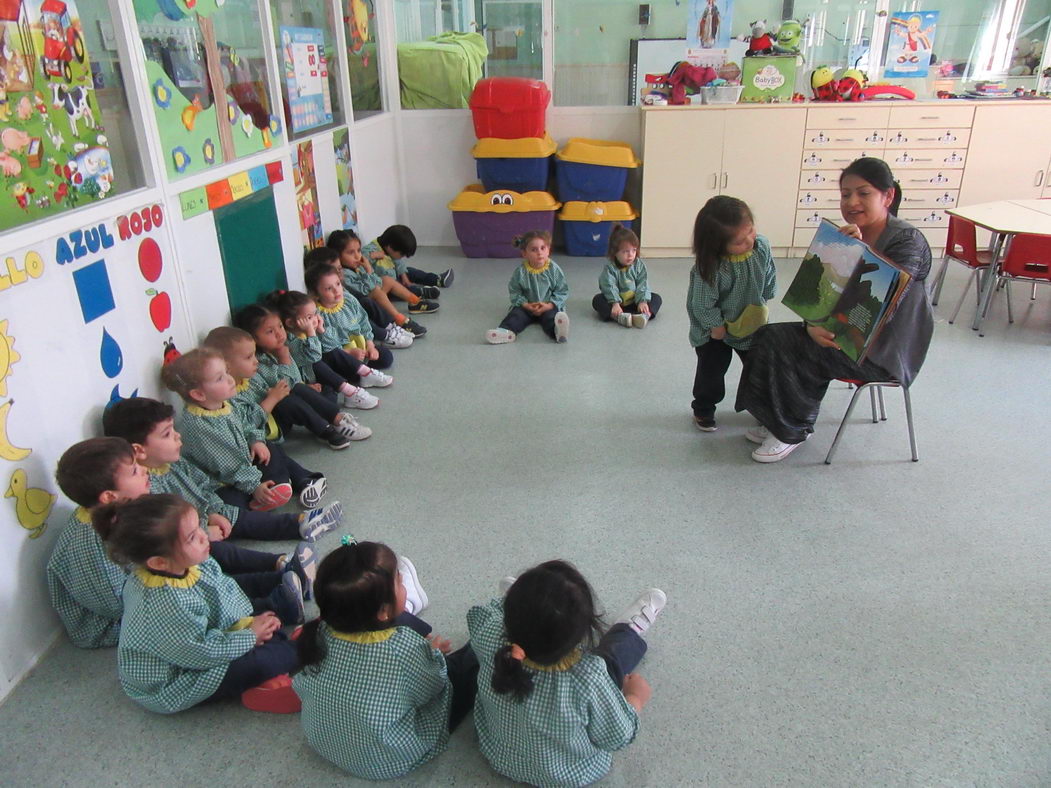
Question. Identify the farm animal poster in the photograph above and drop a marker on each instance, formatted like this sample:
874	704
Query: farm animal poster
54	154
306	196
911	44
305	67
348	206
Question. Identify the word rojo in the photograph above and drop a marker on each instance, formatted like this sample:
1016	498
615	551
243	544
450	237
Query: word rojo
138	222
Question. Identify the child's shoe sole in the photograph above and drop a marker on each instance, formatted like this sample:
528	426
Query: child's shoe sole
639	321
274	696
445	278
283	493
314	525
311	495
499	336
561	327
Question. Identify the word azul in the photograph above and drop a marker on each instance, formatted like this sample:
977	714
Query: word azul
82	243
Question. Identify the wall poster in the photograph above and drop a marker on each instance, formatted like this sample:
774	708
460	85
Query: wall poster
306	196
345	180
305	68
911	44
708	28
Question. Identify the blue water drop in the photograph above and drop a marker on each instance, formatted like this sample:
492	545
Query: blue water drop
110	355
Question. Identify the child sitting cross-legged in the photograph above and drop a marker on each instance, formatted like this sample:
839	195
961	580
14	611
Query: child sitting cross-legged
624	283
255	473
84	584
538	291
388	254
188	634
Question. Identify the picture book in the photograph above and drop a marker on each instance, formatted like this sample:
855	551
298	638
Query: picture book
844	286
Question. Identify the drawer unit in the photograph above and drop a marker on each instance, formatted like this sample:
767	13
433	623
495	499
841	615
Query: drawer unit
818	200
925	219
803	236
853	116
843	138
923	158
838	159
818	179
926	117
929	198
929	179
812	218
927	138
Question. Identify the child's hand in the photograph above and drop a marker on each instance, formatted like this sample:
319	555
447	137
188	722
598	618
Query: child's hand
279	390
444	645
370	349
259	453
404	279
315	386
852	230
823	336
636	690
357	352
283	354
264	495
719	332
644	308
218	527
306	325
544	306
366	264
615	310
319	324
264	626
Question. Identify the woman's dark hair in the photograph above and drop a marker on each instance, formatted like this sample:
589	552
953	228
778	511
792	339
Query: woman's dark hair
876	172
617	236
548	612
312	278
287	303
353	583
137	530
338	239
713	229
248	318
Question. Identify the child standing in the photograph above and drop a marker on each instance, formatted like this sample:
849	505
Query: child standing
624	283
188	634
388	253
732	280
538	291
552	704
380	693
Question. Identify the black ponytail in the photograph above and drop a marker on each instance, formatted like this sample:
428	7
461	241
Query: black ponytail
310	646
510	676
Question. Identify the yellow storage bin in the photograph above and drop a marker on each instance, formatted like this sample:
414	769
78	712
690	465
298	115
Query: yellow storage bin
521	148
521	165
586	225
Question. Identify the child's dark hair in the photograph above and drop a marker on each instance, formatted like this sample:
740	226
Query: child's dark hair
185	373
548	612
338	239
323	255
877	172
134	418
714	228
287	303
617	236
353	584
89	468
522	241
137	530
399	238
312	278
250	317
223	339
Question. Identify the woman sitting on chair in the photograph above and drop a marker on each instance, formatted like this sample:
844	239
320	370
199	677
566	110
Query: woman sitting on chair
790	365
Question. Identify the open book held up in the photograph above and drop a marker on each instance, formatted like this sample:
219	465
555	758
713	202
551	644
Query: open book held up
844	286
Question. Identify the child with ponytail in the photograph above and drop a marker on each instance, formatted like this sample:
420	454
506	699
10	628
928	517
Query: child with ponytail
554	698
188	634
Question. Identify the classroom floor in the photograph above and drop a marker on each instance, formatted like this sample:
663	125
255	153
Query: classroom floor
873	622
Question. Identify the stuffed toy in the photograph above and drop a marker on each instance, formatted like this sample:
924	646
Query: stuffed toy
824	84
789	35
683	76
849	84
761	42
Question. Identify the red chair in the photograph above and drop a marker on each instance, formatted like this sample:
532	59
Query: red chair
962	247
875	389
1028	260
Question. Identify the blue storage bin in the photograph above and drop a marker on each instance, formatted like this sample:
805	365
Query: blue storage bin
521	165
593	170
586	225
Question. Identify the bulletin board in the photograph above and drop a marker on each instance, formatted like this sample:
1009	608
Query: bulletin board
250	246
305	68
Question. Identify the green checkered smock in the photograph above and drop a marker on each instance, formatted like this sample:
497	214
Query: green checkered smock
546	285
622	285
250	392
217	442
305	351
271	370
361	282
179	635
739	283
342	322
564	732
382	263
84	585
194	486
377	705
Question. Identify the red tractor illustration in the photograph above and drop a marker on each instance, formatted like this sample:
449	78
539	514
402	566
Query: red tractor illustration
62	40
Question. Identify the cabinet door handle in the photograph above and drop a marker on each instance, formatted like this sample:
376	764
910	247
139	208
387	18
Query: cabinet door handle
846	118
1039	177
929	117
715	180
726	179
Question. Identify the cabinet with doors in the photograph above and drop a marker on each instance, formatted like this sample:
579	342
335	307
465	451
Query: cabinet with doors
1009	153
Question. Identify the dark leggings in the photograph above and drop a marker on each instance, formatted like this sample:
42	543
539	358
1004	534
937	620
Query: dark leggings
377	317
274	658
305	407
604	307
622	649
709	381
518	319
268	526
340	366
461	666
281	469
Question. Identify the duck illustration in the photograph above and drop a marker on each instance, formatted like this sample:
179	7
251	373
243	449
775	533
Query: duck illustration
32	505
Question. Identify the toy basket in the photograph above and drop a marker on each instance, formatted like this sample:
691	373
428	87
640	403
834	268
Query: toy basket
721	94
521	165
591	170
486	223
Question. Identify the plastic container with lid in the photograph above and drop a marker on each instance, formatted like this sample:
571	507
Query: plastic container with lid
593	170
487	222
521	165
586	225
509	107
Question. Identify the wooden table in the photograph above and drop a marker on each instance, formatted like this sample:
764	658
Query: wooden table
1004	218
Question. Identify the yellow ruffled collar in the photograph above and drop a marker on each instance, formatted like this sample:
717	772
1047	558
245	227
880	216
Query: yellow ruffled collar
739	258
537	271
330	310
301	336
160	470
242	385
197	410
82	515
562	665
376	636
150	580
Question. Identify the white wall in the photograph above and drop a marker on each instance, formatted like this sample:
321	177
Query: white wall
377	189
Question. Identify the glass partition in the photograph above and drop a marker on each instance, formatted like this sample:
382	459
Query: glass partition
440	57
363	63
304	33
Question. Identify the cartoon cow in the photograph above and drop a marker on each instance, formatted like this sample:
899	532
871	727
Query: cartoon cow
74	102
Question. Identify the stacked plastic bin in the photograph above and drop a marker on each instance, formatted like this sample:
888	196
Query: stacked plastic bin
513	159
591	176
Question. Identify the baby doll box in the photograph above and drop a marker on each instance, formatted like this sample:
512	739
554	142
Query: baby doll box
509	107
521	165
586	225
593	170
487	222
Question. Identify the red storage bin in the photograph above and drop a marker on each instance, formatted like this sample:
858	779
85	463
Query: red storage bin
509	107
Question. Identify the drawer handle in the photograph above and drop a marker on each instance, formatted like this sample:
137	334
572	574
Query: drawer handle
1039	177
929	117
846	118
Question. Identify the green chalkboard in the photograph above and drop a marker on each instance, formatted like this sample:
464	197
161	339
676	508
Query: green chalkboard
250	245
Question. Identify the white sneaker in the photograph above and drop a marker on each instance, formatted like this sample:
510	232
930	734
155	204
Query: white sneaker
757	434
396	337
624	318
774	450
415	597
499	336
505	584
376	379
639	321
360	399
351	429
561	327
641	613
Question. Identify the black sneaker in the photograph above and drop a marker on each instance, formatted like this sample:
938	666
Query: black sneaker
705	423
414	328
334	438
429	291
445	278
423	307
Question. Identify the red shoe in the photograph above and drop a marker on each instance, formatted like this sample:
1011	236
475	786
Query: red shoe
282	493
296	633
275	696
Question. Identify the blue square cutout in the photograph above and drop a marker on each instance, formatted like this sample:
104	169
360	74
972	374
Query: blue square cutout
94	291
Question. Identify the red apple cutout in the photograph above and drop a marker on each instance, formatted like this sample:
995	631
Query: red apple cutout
150	260
160	309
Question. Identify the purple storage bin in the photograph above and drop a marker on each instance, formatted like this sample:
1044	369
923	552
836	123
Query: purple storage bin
486	223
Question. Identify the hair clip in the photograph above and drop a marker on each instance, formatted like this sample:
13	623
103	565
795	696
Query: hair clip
517	652
347	539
